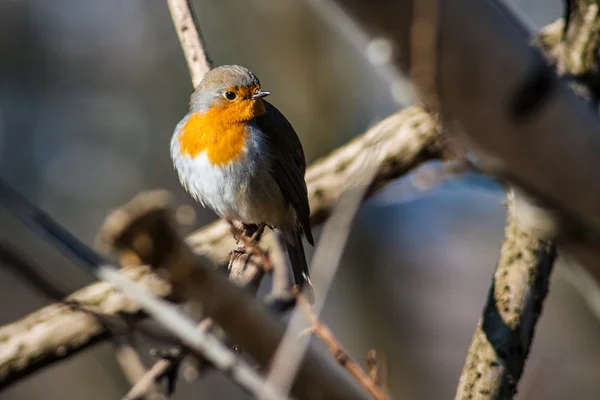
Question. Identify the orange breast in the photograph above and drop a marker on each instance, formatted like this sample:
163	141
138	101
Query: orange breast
220	132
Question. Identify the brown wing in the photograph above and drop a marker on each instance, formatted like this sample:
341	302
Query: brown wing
287	163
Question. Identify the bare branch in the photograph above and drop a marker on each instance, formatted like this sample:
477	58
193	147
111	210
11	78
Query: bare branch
406	138
509	103
504	334
323	268
205	344
374	365
129	360
56	331
146	384
145	225
164	313
189	35
338	352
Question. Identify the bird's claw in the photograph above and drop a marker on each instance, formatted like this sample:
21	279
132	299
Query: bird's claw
238	250
234	254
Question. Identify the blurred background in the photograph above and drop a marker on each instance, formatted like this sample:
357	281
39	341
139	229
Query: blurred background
90	92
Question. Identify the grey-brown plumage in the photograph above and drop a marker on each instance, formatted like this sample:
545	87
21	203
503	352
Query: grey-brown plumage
288	166
263	183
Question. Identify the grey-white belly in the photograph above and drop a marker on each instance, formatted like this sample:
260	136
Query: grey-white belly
243	190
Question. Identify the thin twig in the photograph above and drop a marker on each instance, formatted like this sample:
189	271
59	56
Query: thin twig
423	50
147	384
246	323
190	38
129	360
335	348
323	268
206	344
373	366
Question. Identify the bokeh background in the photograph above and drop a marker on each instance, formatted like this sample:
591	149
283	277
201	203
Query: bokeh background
90	92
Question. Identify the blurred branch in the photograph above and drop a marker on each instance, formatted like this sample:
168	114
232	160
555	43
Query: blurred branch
146	384
321	331
163	312
325	263
514	111
146	226
517	126
129	360
406	138
245	273
504	335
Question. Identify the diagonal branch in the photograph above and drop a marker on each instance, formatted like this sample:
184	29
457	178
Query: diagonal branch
324	266
503	338
523	122
190	38
407	139
145	226
321	331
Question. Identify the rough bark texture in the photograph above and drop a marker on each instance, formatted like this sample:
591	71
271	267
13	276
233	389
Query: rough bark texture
147	227
504	334
57	331
503	337
407	138
523	123
54	332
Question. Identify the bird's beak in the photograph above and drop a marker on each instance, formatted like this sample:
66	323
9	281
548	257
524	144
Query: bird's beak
260	94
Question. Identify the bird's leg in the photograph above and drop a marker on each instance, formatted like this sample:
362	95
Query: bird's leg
254	231
249	229
258	234
233	255
238	250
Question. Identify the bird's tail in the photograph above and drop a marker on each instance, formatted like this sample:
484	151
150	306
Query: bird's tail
299	266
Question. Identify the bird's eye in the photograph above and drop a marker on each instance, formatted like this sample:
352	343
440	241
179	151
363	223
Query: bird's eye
230	95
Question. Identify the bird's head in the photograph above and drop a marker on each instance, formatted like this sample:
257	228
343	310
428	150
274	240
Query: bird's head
230	92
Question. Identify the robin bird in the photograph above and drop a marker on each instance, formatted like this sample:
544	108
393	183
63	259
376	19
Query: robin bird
237	154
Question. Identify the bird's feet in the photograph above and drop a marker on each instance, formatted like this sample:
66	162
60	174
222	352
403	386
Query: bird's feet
254	232
238	250
234	254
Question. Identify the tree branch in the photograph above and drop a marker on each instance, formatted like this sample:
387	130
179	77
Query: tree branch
190	38
407	138
517	125
56	331
336	349
145	226
504	335
513	110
